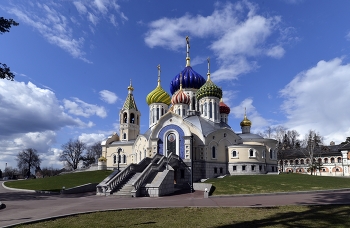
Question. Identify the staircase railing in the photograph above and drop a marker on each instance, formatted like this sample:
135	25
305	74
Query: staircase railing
109	186
156	164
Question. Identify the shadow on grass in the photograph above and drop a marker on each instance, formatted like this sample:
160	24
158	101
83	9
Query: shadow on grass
314	216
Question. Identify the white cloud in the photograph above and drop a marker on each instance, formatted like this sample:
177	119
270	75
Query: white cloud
53	26
348	36
81	108
236	33
10	146
32	110
101	5
80	7
92	18
108	96
317	99
276	52
258	122
90	139
50	20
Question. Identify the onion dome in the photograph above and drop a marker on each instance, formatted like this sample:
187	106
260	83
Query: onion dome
180	97
223	107
190	78
209	89
245	122
130	101
158	95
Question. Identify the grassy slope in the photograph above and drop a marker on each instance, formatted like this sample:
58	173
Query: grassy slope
275	183
56	183
285	216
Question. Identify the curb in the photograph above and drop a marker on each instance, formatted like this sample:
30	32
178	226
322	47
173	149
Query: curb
280	193
27	190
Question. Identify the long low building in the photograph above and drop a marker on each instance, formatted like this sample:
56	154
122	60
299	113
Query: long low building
334	160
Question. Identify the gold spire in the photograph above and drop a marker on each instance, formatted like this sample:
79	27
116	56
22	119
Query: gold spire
208	74
158	74
188	52
130	88
246	122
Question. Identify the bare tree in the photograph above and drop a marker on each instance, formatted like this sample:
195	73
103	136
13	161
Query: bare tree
28	159
92	154
310	147
72	153
10	172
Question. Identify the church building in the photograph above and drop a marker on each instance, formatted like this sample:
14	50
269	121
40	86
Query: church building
190	124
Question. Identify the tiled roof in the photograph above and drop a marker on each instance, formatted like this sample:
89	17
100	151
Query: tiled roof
130	102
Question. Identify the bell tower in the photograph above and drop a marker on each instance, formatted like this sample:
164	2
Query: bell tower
129	118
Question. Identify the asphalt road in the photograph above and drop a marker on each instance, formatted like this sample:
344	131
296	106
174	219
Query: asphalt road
22	207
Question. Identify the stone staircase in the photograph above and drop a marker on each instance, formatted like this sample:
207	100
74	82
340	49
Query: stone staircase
126	187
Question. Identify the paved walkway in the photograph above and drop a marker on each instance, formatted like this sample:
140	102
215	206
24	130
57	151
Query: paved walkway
26	206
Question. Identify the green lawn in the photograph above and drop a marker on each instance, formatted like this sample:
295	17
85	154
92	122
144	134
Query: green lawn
56	183
248	184
284	216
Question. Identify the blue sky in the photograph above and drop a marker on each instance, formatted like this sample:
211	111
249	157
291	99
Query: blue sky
286	61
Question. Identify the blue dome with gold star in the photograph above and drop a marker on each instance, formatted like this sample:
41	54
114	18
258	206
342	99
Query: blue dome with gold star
190	79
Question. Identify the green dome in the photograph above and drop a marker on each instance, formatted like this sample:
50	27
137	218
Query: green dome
209	89
158	95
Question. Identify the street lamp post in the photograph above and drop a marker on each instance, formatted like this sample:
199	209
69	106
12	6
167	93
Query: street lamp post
119	157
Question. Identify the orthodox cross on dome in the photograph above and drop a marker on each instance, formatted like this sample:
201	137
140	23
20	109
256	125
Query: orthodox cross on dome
208	74
158	74
130	88
188	52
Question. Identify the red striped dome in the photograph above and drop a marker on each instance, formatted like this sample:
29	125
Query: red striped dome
224	108
180	98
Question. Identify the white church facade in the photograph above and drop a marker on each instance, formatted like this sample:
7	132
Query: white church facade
191	125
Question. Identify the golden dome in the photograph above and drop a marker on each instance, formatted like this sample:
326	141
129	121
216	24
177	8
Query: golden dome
245	122
158	95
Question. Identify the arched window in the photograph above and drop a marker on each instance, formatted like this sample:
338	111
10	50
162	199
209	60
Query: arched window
132	118
326	160
193	102
234	154
297	162
140	156
332	160
224	134
119	158
213	152
319	160
124	158
339	159
291	162
271	153
125	117
285	162
114	159
302	161
307	161
124	136
210	109
251	153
